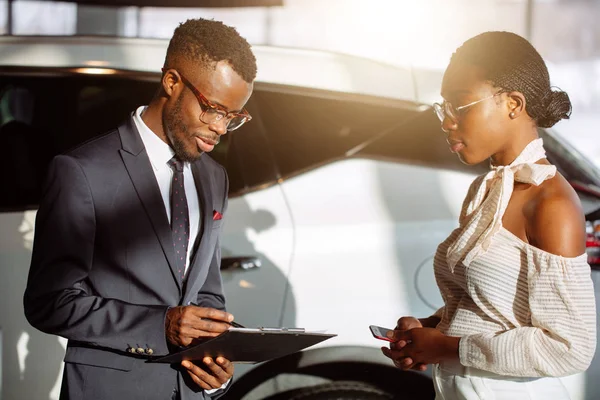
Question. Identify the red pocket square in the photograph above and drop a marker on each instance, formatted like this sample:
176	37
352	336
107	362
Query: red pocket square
217	215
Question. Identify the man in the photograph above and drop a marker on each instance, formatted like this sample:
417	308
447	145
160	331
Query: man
126	254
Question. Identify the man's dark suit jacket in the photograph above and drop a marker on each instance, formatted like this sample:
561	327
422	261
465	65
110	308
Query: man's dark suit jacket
103	270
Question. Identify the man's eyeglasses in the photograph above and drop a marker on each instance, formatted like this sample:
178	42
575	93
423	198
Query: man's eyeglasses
447	110
212	113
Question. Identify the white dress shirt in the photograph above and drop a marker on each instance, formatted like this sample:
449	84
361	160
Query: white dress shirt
159	154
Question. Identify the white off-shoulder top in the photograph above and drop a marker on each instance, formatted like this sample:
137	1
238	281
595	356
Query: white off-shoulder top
520	311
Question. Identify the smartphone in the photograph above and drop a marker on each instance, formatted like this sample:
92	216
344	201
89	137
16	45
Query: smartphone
380	332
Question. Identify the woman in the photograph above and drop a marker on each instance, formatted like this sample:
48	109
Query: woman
519	306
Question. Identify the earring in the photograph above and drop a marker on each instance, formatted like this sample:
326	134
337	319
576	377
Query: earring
512	115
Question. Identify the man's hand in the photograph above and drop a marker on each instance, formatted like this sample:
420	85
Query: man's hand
421	346
184	324
219	372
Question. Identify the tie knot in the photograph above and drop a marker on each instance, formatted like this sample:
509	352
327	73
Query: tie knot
175	164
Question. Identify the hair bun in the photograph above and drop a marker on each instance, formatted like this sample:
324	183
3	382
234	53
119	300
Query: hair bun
557	107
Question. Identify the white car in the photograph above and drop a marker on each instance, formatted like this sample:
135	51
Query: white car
341	188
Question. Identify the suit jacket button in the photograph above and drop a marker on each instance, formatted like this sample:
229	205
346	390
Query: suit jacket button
149	352
140	350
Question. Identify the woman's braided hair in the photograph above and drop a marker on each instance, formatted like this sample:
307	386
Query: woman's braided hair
511	63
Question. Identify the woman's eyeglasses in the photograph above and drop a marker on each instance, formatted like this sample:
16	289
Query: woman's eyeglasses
447	110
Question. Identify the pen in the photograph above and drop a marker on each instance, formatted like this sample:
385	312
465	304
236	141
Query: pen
236	325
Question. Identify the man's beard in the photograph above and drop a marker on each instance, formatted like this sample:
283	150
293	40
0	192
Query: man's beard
174	123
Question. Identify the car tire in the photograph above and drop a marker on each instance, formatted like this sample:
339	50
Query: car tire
339	390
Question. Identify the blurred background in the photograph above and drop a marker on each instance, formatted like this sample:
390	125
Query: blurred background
396	37
398	32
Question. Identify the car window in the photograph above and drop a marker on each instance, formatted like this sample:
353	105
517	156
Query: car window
581	173
47	112
419	140
27	145
574	166
251	150
307	128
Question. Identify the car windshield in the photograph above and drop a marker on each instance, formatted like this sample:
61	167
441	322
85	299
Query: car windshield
574	166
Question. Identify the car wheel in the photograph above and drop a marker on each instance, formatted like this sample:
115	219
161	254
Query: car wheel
339	390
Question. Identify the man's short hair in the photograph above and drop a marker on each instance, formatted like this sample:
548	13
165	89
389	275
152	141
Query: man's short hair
206	42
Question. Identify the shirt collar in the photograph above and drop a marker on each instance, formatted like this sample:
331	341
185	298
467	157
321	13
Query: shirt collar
158	151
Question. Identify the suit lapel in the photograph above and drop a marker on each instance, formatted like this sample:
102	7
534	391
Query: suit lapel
140	171
203	181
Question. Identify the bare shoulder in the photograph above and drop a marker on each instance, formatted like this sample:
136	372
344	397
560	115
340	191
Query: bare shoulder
555	222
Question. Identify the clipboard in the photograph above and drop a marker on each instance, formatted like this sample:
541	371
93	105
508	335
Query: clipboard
249	345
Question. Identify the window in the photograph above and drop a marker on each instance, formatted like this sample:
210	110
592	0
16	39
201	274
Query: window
251	150
419	140
307	128
569	161
27	146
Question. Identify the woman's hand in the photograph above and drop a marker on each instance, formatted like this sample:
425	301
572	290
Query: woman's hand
408	323
417	347
405	324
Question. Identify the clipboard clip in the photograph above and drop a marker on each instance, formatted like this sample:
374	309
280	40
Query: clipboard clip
292	330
